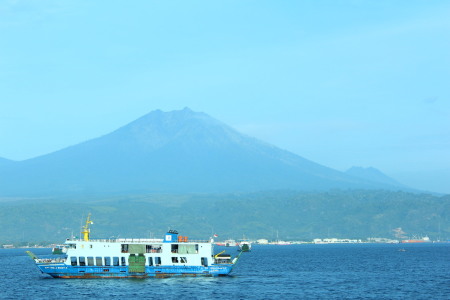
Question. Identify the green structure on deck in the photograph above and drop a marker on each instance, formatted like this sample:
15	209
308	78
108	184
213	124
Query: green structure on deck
136	263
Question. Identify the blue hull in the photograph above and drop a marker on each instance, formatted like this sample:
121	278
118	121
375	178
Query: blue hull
65	271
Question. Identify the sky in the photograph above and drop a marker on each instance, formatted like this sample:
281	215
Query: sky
342	83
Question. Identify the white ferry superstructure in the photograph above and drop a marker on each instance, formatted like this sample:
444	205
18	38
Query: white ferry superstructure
175	255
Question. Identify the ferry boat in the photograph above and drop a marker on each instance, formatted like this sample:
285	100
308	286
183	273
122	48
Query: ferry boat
175	255
245	246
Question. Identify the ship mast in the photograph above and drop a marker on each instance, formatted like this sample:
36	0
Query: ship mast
86	229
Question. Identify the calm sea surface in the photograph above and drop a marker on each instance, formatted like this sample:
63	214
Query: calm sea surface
359	271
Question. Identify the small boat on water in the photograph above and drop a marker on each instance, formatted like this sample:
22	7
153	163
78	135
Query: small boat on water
175	255
245	246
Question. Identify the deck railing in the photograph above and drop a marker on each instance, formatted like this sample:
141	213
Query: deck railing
150	241
50	260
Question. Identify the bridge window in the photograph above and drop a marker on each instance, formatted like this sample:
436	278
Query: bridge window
124	248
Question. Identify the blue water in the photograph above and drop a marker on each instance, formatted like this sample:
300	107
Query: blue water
359	271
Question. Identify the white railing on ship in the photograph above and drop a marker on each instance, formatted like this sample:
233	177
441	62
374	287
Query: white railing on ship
50	260
136	241
119	240
139	240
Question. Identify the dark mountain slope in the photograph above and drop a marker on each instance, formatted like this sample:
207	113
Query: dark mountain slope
179	151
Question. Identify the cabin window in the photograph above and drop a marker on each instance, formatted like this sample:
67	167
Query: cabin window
157	261
204	261
124	248
183	260
99	261
174	248
107	261
123	261
150	261
115	261
90	261
186	249
81	261
174	259
153	248
72	246
73	261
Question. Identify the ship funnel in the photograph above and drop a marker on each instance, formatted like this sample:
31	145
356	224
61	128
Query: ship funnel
171	236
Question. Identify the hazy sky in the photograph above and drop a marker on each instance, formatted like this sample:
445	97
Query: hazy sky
343	83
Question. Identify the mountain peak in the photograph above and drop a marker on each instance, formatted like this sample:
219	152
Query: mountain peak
170	117
158	128
175	151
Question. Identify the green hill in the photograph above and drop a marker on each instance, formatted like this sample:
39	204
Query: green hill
295	215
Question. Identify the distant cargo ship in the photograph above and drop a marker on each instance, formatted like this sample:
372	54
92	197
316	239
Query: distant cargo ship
422	240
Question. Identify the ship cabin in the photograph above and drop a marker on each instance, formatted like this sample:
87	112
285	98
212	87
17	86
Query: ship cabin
173	250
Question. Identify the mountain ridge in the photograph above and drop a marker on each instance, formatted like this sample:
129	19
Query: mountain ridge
177	151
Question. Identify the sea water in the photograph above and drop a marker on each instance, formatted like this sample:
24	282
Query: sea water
333	271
